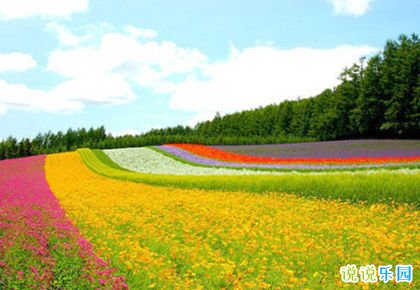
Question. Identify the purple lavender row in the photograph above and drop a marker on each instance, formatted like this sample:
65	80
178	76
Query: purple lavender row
331	149
185	155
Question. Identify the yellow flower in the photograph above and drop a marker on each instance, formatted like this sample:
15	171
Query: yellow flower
194	239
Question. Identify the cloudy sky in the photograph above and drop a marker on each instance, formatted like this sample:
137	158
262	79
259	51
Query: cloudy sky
135	65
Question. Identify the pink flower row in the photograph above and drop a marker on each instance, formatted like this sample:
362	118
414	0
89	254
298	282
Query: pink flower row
39	246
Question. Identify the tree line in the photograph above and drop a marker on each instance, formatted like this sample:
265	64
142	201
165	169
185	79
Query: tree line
378	98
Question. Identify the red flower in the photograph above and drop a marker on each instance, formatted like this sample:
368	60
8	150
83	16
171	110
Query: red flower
213	153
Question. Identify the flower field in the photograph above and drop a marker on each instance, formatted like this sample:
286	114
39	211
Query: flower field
210	152
368	186
40	248
161	237
207	156
150	218
147	160
330	149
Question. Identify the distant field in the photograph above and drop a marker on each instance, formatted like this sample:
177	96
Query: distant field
331	149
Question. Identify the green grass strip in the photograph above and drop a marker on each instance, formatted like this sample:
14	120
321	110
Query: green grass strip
106	160
370	187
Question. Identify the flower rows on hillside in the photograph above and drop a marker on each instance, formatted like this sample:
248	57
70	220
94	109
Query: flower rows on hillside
368	185
217	154
330	149
196	158
39	246
166	238
146	160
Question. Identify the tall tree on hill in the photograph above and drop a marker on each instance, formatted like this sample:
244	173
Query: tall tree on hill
24	148
400	82
367	116
10	148
345	97
283	118
323	120
302	116
2	150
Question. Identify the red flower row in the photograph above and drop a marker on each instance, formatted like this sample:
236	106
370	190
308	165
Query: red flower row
209	152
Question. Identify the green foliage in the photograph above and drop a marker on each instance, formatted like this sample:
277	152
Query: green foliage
378	186
400	83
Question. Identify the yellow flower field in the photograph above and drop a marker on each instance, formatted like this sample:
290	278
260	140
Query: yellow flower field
158	237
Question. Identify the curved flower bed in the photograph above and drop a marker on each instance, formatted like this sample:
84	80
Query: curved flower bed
39	246
213	153
178	238
370	185
146	160
200	160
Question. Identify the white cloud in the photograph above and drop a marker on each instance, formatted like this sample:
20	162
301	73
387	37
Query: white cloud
79	35
122	54
15	9
16	61
350	7
64	36
144	63
109	67
263	75
140	33
20	97
109	89
67	97
105	70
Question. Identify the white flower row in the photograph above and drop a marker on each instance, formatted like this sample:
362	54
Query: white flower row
146	160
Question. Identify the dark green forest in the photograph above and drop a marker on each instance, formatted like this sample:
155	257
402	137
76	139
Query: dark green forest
377	98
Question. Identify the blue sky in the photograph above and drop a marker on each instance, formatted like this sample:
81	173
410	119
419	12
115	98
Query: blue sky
135	65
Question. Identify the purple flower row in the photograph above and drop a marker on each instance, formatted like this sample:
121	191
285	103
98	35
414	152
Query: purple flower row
331	149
